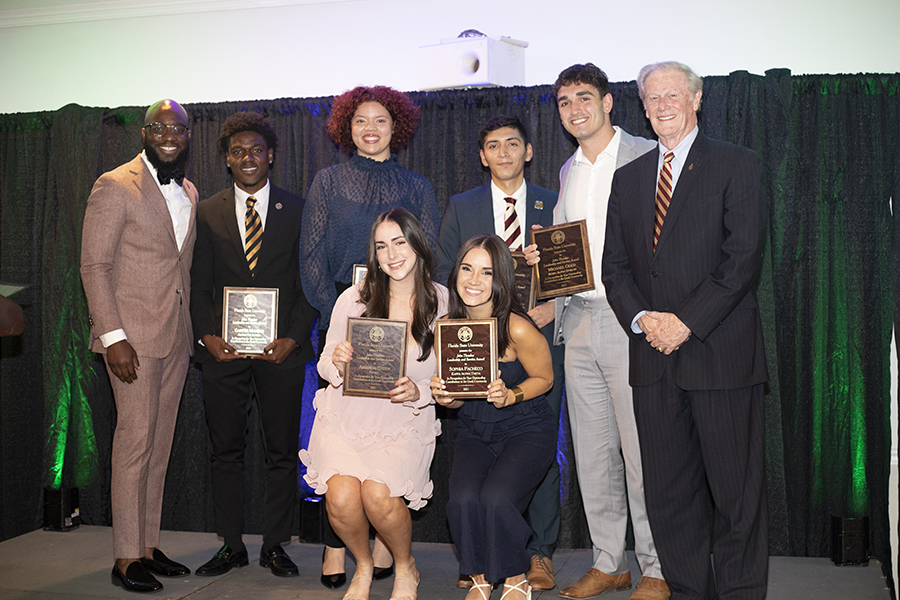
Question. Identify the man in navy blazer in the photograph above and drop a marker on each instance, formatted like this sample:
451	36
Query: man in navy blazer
230	379
504	151
680	279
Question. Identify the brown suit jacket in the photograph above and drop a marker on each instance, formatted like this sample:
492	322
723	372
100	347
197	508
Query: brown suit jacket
134	276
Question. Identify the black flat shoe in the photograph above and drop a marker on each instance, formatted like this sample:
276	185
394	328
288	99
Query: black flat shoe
161	564
276	560
135	579
334	581
383	572
225	559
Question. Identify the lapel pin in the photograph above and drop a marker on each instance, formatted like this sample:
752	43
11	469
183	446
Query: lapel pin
691	167
278	204
539	204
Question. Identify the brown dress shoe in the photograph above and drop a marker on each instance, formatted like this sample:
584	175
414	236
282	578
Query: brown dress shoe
594	582
651	588
464	582
540	574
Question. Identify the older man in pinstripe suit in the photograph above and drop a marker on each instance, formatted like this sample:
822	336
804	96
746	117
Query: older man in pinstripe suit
684	240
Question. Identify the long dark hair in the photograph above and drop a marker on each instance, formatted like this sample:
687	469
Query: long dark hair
503	290
376	289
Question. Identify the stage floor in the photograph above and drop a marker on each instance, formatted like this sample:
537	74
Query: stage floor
76	565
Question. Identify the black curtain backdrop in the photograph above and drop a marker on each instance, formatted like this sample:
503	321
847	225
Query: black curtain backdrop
831	154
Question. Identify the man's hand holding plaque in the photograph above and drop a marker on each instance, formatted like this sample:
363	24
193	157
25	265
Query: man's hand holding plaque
564	267
373	359
525	282
249	320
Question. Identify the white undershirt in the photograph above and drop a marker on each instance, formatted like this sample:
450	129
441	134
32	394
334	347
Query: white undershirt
261	206
177	201
499	199
586	196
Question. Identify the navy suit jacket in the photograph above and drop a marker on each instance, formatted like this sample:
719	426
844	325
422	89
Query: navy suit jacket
472	213
703	270
219	261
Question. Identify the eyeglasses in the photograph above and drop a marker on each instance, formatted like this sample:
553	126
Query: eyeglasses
159	129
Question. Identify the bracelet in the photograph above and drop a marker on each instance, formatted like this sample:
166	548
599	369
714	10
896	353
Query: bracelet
520	395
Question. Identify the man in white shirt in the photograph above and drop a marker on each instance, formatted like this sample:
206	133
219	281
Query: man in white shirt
597	394
137	246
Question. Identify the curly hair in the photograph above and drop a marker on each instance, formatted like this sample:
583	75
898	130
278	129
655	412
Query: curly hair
588	73
404	114
246	121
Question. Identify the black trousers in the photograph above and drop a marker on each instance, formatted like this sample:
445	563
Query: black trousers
492	480
702	448
543	512
227	391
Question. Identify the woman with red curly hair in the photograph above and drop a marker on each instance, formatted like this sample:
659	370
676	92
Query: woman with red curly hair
343	201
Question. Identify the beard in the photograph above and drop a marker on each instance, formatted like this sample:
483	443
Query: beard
168	170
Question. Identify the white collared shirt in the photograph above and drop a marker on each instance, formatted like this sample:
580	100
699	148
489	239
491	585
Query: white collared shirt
261	206
681	153
177	201
586	196
499	202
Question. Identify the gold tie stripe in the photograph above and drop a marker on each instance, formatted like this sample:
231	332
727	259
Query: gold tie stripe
253	238
663	195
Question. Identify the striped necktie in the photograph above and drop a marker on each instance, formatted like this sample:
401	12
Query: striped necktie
511	227
253	238
663	195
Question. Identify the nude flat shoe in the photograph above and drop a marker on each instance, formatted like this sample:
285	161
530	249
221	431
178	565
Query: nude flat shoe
415	584
355	577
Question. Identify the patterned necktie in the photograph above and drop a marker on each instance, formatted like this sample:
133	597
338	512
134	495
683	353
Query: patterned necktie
663	195
511	228
253	238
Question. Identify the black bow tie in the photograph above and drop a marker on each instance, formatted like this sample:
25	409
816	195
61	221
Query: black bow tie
177	175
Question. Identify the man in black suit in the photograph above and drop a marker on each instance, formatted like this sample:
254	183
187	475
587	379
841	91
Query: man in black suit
504	150
249	236
684	241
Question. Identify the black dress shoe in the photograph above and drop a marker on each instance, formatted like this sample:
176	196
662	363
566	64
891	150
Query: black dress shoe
277	561
161	564
333	581
383	572
225	559
135	579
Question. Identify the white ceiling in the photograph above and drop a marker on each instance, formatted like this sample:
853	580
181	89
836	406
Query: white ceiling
30	13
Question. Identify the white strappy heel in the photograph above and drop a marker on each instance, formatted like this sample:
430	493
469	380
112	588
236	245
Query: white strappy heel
509	588
480	587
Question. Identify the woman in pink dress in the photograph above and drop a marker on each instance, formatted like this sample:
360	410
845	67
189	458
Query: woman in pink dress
370	456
